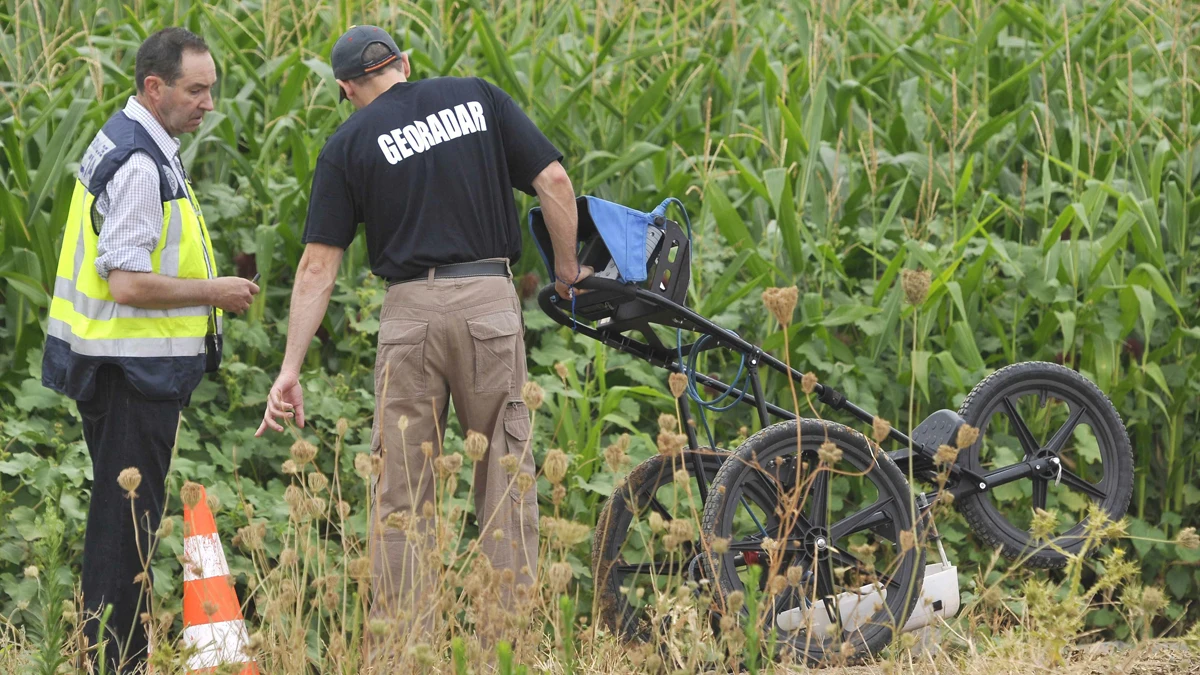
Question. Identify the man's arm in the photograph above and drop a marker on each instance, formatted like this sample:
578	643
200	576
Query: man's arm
148	290
310	298
554	189
132	210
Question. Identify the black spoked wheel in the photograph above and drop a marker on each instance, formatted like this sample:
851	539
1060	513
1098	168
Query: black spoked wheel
635	556
1062	422
835	520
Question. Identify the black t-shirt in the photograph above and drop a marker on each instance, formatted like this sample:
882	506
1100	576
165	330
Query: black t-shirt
429	167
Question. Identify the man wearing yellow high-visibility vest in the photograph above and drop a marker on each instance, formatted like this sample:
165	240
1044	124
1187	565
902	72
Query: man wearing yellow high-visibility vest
136	322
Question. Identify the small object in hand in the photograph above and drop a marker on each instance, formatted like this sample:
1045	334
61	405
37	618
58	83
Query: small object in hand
255	279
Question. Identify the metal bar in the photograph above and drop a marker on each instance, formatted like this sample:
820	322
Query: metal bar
756	382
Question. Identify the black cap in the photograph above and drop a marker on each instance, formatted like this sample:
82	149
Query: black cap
347	57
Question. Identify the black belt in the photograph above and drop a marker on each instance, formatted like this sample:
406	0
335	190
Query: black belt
481	268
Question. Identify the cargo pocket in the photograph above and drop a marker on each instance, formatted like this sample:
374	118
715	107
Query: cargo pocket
495	336
400	361
516	437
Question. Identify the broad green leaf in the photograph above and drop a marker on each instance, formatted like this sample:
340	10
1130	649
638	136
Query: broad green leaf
1066	321
733	228
844	314
920	366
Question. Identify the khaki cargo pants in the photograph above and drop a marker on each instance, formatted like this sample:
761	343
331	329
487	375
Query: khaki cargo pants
442	340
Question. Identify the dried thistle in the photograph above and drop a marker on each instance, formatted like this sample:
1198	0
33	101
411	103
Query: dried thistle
448	465
191	494
303	452
880	428
561	369
475	446
289	467
908	540
209	607
31	572
398	520
558	494
670	444
1152	600
427	449
165	528
554	468
829	453
296	501
946	454
251	536
533	395
735	601
795	574
343	425
967	435
781	302
915	284
525	482
359	568
720	545
777	584
317	481
808	383
362	465
657	524
560	577
667	422
677	383
343	509
129	479
615	458
1188	538
510	463
288	557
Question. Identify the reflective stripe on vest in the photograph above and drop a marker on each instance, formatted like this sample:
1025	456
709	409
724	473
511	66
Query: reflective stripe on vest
137	347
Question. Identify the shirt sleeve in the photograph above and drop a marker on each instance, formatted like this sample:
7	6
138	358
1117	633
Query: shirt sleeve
131	206
526	149
332	218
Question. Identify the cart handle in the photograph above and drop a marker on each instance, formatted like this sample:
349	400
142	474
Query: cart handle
610	285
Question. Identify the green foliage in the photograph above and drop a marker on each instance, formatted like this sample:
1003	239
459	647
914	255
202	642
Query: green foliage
1040	159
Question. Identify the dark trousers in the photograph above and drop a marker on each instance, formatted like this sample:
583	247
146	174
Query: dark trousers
123	429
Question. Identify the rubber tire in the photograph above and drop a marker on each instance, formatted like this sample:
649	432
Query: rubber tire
981	513
867	641
646	479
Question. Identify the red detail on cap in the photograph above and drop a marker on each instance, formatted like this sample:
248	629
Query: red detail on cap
751	557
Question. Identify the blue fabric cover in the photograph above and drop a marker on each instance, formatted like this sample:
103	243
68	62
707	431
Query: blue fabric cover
624	232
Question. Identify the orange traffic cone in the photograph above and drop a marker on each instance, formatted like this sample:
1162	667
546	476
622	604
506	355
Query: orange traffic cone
212	616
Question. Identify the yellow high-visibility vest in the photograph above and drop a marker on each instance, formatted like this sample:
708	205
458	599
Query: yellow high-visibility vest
162	351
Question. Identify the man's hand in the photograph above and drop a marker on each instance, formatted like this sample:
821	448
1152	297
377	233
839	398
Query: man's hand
564	282
286	400
233	294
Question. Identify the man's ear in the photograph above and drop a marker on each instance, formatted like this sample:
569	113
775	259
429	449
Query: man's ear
346	88
153	87
405	66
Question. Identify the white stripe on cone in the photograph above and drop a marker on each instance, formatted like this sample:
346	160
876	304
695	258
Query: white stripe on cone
219	643
204	557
